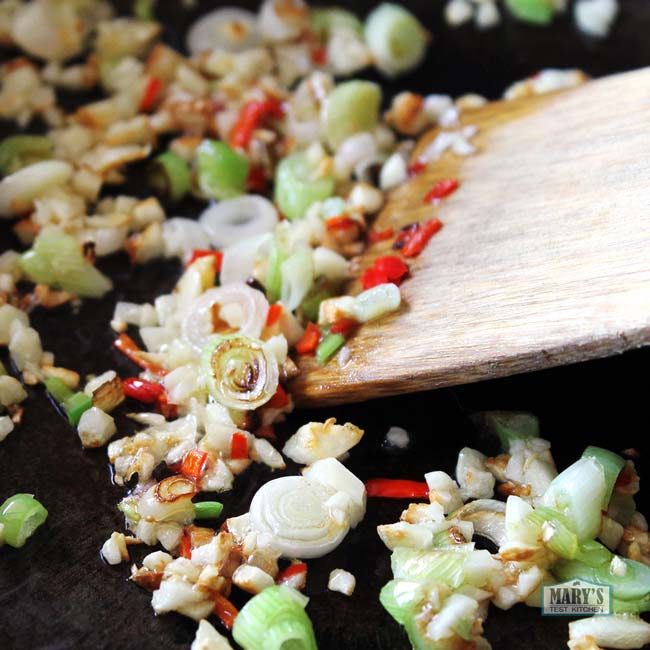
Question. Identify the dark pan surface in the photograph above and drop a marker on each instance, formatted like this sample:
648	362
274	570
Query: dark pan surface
57	594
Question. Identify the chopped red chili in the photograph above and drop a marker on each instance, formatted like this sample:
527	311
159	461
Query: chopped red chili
279	400
340	222
441	189
275	311
127	346
144	391
290	571
420	237
250	118
151	91
170	411
393	267
375	236
343	326
199	253
194	463
417	167
309	341
397	488
238	446
225	610
404	235
257	180
319	55
373	277
186	544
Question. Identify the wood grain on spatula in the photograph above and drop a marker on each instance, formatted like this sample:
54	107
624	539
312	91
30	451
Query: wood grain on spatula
544	258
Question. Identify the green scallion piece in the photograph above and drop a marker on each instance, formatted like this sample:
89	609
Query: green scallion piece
395	37
539	12
400	598
508	426
273	282
633	585
144	9
275	619
21	515
169	176
76	405
207	509
328	347
443	566
352	107
326	21
18	151
222	171
3	370
129	508
298	185
59	391
612	465
311	303
56	259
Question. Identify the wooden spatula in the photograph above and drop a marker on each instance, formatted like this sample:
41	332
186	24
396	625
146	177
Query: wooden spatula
543	260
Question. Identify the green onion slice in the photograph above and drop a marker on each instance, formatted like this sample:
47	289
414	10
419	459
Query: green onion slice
207	509
612	465
326	21
239	371
76	405
273	281
352	107
441	566
56	259
222	172
275	619
396	38
297	185
18	151
21	515
59	391
578	493
539	12
508	426
632	586
328	347
400	598
169	176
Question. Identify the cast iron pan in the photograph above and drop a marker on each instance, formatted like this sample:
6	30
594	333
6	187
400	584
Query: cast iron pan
57	594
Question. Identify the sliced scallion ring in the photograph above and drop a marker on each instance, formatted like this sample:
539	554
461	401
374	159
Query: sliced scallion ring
238	219
21	515
18	151
294	512
239	372
275	619
169	176
396	38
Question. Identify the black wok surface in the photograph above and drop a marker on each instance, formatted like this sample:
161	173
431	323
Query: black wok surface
57	594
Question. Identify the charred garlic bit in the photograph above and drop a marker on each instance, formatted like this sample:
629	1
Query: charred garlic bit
316	441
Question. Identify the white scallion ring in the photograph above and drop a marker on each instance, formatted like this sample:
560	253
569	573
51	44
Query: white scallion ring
294	513
235	220
241	306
